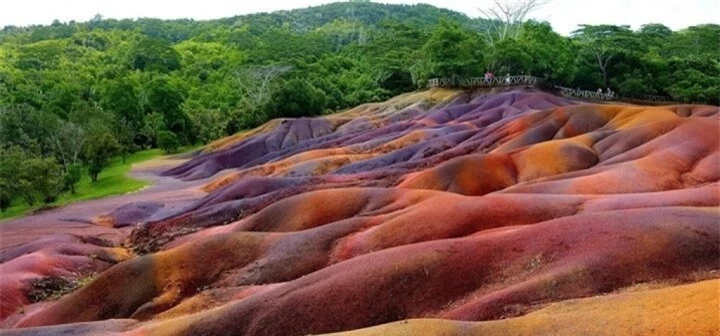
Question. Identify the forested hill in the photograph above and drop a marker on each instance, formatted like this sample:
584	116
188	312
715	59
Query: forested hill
106	87
298	20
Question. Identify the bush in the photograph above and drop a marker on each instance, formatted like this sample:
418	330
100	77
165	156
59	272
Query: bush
72	177
5	195
168	141
297	98
41	177
99	148
11	160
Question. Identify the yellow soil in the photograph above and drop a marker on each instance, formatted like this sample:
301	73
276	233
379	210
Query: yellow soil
692	309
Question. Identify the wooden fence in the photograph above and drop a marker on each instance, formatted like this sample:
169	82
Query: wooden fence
484	82
536	81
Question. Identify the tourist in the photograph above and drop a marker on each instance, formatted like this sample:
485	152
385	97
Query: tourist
507	78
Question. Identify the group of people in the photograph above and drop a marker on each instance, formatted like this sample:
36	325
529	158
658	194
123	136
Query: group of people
489	76
608	92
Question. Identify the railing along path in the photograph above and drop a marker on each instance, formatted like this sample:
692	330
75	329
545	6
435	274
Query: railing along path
532	80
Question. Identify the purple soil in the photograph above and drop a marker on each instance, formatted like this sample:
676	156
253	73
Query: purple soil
454	205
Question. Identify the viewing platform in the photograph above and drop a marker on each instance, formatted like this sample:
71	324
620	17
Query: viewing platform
524	80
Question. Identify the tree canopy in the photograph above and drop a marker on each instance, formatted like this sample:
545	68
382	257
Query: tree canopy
81	92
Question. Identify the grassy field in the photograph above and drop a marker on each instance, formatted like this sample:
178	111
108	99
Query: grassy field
111	181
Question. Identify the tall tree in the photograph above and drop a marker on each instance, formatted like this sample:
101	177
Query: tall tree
121	98
167	99
69	139
154	55
99	148
453	50
601	44
256	86
551	55
506	16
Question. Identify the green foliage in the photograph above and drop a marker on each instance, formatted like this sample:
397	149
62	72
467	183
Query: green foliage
101	147
41	177
154	55
27	176
114	181
122	82
154	123
453	51
11	161
168	141
121	98
72	177
692	86
509	56
80	93
27	128
551	55
299	99
209	124
167	99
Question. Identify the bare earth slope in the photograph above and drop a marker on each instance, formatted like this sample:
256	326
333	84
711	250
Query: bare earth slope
514	210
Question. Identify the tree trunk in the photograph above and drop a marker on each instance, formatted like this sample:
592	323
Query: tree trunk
604	75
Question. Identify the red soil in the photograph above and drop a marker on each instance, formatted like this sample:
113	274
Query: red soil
448	205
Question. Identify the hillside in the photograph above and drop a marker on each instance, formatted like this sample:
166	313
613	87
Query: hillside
74	96
513	209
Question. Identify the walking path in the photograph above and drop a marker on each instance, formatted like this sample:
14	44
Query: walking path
76	218
473	82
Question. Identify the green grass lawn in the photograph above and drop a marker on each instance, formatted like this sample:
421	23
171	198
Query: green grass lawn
111	181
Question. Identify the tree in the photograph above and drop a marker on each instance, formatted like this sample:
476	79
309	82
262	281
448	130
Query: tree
510	56
506	16
655	33
154	55
99	148
125	134
167	100
72	177
299	99
121	98
693	86
28	128
11	161
41	177
601	44
551	55
154	123
344	32
209	124
68	139
452	50
257	86
700	40
168	141
256	83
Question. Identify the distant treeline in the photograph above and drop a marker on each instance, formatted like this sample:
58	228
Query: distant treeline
116	86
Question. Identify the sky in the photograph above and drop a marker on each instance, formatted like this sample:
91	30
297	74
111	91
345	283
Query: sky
564	15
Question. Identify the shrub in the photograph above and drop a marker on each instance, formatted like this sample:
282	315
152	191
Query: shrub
72	177
168	141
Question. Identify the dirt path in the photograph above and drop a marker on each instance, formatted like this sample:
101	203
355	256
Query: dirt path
75	218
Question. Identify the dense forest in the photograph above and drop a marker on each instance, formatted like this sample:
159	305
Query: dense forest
73	95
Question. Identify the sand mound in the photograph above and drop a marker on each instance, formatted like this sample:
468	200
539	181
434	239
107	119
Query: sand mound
439	207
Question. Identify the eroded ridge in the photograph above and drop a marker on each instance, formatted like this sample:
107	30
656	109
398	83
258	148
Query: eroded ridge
440	206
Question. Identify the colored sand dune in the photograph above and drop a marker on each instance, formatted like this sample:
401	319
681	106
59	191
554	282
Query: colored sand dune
439	212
